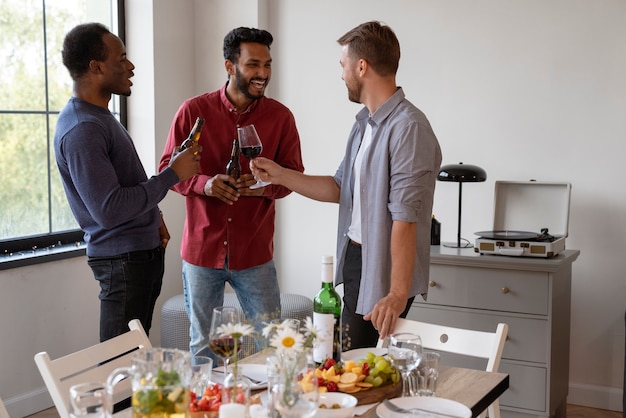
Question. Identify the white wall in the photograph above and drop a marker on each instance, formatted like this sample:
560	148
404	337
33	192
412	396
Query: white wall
524	89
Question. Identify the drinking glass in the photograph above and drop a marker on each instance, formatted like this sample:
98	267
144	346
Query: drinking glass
296	394
90	400
251	147
428	373
224	346
405	351
201	367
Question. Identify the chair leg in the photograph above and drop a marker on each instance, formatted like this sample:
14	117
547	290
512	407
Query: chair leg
494	409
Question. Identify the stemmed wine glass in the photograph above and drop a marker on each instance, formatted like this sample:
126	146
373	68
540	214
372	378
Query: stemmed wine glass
251	146
224	346
405	352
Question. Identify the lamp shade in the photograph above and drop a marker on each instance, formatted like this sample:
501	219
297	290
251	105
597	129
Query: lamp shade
461	173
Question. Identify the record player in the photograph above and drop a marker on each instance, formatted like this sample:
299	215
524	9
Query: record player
530	220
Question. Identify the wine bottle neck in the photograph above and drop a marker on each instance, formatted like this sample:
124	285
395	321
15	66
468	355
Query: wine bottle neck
327	273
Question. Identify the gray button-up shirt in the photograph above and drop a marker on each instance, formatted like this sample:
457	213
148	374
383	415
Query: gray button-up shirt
397	176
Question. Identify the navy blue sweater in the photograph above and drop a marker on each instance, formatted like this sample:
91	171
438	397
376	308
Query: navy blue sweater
106	185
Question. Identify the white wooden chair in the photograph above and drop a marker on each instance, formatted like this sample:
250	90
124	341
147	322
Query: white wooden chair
3	411
92	364
472	343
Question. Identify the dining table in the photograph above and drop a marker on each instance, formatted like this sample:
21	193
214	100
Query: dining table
476	389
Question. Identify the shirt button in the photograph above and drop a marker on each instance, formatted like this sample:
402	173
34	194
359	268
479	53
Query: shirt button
225	242
230	219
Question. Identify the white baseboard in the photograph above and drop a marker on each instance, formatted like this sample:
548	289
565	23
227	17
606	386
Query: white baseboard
601	397
28	403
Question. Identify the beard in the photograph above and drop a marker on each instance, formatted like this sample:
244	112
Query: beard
243	86
354	91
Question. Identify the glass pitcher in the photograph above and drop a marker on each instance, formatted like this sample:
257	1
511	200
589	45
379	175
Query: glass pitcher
160	383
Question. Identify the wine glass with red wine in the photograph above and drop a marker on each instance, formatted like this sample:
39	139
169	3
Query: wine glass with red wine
224	346
251	147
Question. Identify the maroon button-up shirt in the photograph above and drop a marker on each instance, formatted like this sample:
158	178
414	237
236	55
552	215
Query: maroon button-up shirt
244	231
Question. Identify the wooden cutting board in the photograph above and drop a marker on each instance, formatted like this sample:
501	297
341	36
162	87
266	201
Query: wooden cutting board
372	395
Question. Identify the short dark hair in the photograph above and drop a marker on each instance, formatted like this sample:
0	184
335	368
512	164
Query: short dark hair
83	44
236	37
376	43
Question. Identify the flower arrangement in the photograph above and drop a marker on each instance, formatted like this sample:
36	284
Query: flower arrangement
288	341
296	391
235	391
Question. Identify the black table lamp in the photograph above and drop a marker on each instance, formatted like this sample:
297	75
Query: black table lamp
461	173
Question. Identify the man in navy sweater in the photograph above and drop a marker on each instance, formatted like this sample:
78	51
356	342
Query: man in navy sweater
110	195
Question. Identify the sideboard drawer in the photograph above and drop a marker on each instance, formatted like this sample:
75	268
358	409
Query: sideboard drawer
483	288
527	387
527	338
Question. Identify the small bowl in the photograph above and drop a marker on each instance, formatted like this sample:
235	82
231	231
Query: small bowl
346	402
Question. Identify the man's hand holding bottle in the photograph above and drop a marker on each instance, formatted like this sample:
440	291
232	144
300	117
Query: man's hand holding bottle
186	163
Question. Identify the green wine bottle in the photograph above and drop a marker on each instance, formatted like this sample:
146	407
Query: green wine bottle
327	316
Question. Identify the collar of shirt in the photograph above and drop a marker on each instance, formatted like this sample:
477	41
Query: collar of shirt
383	111
231	107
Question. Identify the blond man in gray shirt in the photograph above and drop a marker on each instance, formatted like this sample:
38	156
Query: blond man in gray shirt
384	186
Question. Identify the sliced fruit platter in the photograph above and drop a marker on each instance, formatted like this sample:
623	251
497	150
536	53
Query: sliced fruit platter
369	379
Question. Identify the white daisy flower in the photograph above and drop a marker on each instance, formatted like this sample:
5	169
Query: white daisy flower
235	330
310	328
268	329
312	333
287	341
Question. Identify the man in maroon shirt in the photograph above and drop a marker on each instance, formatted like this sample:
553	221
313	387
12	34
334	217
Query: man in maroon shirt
228	232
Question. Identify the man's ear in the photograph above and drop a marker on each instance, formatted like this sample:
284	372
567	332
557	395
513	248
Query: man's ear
230	67
363	67
94	66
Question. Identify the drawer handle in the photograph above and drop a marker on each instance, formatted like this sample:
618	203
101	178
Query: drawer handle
505	290
432	283
443	338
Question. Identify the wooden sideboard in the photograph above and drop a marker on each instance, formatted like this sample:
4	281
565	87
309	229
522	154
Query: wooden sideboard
532	295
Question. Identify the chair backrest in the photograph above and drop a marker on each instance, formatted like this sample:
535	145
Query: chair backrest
3	411
92	364
467	342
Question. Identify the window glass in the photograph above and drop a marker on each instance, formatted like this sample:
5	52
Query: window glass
34	87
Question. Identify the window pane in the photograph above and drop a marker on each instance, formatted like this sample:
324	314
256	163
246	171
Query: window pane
34	87
22	75
24	186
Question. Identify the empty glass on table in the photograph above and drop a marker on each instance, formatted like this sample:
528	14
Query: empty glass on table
405	351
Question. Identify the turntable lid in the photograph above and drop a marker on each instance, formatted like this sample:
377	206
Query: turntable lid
532	205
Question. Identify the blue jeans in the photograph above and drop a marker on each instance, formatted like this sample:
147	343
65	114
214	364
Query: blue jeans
256	288
129	287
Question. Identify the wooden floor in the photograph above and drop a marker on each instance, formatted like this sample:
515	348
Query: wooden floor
573	411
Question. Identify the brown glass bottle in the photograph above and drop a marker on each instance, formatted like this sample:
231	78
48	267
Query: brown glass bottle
194	135
233	167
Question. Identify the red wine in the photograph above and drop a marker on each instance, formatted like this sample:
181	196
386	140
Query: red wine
251	152
224	347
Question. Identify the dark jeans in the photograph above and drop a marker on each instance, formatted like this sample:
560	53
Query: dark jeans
358	333
129	287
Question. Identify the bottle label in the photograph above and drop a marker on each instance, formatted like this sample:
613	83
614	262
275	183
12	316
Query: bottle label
325	323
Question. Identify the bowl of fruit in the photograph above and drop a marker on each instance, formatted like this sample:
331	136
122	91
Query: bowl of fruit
335	405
